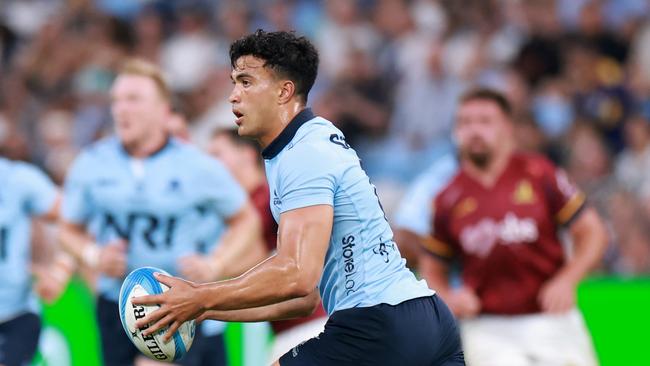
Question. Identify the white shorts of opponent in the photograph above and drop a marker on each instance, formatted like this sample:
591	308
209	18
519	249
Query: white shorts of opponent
292	337
528	340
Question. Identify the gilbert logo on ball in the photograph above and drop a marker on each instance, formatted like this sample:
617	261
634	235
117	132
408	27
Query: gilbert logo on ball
142	282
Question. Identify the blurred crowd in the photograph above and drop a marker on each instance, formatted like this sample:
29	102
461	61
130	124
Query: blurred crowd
576	71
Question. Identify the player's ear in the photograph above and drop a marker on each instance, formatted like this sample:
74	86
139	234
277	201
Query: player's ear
286	92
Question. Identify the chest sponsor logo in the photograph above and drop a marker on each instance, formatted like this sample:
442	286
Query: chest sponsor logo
480	238
524	193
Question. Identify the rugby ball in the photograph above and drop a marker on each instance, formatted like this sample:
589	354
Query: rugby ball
142	282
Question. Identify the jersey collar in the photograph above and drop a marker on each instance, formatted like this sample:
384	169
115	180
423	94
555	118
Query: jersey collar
287	134
168	142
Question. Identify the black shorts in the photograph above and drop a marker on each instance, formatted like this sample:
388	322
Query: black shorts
19	339
417	332
117	349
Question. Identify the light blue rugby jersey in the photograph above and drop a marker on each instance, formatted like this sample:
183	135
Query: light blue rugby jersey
25	192
415	210
170	204
310	163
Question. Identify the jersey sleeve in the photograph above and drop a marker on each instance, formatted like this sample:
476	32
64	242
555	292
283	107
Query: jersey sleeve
308	177
40	191
565	199
439	242
77	204
221	189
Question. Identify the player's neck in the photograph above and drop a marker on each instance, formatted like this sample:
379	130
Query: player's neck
150	146
489	174
282	119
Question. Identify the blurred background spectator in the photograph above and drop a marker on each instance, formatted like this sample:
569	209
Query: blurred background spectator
577	72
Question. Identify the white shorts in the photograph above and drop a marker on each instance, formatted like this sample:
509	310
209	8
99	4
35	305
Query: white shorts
528	340
292	337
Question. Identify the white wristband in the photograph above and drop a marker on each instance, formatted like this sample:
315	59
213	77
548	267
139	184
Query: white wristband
90	255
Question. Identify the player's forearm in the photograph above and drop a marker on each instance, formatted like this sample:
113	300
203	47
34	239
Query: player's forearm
436	273
75	241
294	308
303	239
241	245
274	280
590	240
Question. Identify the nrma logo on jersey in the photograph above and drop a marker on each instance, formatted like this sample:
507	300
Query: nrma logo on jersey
480	238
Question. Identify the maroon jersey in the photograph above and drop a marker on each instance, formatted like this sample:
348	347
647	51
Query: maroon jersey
260	198
506	236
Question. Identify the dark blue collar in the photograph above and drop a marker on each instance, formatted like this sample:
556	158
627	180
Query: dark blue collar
287	134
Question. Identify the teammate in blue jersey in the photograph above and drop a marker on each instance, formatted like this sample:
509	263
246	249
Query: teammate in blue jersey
414	215
333	236
143	198
25	193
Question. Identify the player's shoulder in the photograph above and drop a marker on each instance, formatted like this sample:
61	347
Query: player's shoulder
534	164
102	149
318	137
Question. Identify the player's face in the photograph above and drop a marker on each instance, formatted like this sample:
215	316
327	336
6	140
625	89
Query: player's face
254	97
137	107
481	127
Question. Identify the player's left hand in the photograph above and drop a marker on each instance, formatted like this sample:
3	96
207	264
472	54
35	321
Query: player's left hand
177	305
198	268
558	295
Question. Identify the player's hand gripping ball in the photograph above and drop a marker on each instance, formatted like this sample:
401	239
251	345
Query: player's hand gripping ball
142	282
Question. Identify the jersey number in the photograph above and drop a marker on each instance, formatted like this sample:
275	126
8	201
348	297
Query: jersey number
4	238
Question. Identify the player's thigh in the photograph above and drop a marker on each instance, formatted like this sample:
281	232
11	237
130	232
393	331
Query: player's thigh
491	342
416	332
117	348
560	339
19	339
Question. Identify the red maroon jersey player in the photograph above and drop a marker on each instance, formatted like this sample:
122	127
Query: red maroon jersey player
506	236
500	218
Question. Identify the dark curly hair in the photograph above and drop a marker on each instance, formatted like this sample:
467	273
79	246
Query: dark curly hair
285	53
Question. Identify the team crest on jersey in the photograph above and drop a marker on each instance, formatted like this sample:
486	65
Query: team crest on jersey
524	193
465	207
174	185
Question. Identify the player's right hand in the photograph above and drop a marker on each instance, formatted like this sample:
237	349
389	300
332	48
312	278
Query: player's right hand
112	259
463	302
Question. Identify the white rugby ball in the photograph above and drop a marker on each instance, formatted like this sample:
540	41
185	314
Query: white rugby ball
142	282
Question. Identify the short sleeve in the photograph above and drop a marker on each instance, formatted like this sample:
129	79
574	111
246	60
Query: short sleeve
77	204
40	191
307	177
565	199
220	189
